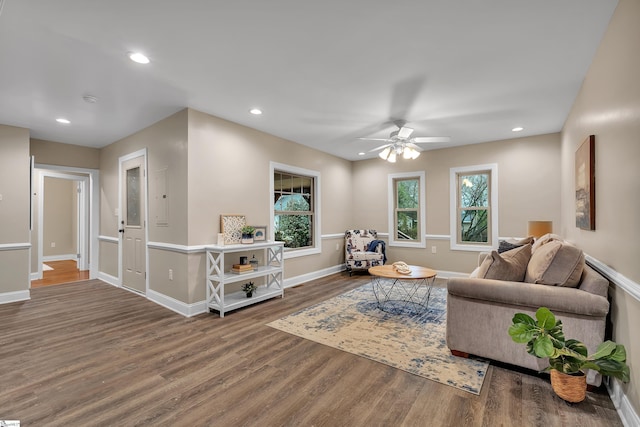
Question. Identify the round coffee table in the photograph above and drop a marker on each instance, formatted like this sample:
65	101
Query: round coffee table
396	292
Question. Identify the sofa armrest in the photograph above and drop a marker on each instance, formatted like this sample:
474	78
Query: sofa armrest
557	299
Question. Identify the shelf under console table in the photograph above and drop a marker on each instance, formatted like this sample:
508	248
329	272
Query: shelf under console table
217	278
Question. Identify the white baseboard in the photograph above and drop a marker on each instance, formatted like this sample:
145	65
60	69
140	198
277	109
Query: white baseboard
7	297
625	410
443	274
112	280
179	307
71	257
295	281
35	276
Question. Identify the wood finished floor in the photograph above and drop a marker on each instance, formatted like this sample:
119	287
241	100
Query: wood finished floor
65	271
90	354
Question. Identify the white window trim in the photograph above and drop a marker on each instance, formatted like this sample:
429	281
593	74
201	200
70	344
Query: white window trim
317	241
453	207
422	243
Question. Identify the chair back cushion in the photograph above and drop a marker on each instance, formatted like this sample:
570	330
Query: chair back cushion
358	240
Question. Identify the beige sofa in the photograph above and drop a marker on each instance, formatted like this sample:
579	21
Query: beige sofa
480	308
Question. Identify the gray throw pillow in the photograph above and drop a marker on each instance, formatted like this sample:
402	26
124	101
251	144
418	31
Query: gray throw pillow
510	265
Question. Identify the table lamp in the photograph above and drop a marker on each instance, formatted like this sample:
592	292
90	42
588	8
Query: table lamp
538	229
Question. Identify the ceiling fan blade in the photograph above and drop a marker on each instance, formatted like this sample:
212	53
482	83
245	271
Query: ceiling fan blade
414	146
423	139
374	139
380	147
404	132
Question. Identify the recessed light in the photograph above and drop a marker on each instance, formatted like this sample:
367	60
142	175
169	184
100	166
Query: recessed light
517	129
255	111
362	153
138	57
63	121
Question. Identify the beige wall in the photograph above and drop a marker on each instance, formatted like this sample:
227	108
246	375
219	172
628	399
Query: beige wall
528	176
229	173
166	143
60	217
608	106
208	162
14	208
56	153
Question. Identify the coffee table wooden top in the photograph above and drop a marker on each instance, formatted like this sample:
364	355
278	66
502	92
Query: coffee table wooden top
389	272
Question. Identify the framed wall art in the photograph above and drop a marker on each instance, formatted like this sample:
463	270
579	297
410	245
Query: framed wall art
585	184
231	228
260	235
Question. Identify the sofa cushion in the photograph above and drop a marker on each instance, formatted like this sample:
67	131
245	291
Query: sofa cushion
510	265
555	263
549	237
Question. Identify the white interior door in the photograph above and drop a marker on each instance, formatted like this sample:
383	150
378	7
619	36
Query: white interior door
133	223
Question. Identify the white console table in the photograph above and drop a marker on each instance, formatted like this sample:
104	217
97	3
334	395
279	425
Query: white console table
272	271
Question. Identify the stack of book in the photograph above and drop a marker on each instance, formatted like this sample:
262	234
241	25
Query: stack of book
241	268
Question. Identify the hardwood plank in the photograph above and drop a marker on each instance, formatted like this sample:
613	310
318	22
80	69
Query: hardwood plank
65	271
88	353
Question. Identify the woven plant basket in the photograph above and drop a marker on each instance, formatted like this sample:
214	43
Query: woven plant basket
572	388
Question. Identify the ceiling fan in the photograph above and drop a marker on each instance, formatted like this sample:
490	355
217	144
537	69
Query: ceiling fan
401	143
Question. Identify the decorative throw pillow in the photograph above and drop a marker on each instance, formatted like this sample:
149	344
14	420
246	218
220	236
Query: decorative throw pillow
508	244
549	237
510	265
555	263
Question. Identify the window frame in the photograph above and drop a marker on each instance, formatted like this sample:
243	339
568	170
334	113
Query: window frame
316	223
454	197
421	241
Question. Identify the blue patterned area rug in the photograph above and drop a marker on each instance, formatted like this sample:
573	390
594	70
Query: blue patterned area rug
402	338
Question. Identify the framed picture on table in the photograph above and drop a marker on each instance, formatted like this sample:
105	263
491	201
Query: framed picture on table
260	235
231	227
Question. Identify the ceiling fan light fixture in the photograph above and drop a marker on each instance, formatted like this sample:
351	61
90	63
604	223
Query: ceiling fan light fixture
415	154
405	132
392	157
384	154
407	153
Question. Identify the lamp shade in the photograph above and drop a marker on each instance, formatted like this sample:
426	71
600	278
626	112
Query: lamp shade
538	229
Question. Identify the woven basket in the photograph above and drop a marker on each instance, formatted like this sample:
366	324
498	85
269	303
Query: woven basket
572	388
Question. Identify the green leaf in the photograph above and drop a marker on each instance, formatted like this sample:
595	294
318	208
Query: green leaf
543	347
604	350
619	354
546	319
523	318
521	333
577	347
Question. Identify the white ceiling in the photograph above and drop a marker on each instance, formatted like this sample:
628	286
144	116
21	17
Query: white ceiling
325	72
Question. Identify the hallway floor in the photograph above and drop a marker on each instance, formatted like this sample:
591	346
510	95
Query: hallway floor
63	272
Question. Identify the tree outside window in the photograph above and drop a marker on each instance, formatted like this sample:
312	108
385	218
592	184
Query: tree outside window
473	207
293	209
407	211
407	208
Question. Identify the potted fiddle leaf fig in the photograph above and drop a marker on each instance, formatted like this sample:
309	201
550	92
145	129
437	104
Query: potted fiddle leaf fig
568	359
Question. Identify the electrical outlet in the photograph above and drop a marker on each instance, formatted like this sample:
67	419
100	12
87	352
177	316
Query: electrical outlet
170	274
337	246
434	249
53	244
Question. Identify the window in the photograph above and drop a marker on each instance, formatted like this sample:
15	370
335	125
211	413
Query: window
407	209
295	209
474	207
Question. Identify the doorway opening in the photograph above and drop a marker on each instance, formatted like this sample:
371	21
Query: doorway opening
64	234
